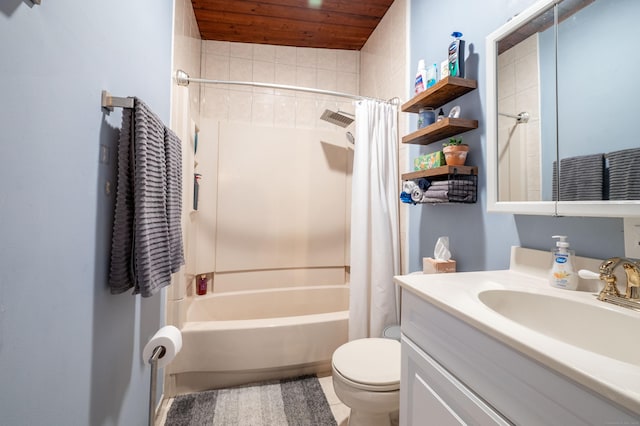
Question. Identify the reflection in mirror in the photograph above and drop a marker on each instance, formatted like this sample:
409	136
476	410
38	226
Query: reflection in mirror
595	104
520	152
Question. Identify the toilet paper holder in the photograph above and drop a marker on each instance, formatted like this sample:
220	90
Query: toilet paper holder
158	352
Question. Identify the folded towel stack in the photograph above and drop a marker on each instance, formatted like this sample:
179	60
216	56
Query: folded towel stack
624	174
444	191
581	178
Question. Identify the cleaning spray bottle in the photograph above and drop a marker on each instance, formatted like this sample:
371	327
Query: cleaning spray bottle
421	77
562	274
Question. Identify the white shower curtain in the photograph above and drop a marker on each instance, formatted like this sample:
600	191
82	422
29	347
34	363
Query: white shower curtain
375	253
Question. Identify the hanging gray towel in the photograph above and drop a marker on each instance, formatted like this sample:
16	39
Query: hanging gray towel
145	247
121	274
624	174
173	153
581	178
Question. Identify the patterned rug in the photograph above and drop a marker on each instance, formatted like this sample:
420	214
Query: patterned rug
297	402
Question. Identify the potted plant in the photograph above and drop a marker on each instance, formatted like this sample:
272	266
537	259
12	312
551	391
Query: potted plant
455	152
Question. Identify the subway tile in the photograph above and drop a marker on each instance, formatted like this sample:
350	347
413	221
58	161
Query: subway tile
285	55
262	110
241	50
306	57
327	59
264	52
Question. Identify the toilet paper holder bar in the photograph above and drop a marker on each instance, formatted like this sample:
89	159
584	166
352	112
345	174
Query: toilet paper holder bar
158	352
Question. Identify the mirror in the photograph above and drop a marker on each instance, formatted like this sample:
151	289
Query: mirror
560	86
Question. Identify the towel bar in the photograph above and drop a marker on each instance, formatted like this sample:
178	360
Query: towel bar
109	102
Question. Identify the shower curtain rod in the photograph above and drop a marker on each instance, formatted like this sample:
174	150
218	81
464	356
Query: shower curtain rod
183	79
523	117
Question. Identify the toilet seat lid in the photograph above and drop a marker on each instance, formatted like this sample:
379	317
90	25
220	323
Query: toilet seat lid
371	361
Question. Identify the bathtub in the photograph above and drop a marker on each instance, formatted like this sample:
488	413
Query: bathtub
242	337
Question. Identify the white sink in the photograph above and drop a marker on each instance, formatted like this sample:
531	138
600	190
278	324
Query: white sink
592	327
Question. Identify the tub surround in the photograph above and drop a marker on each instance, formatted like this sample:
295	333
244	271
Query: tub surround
457	296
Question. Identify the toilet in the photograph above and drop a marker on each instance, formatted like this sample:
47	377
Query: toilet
366	378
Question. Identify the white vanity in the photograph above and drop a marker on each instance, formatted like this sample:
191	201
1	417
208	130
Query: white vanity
503	347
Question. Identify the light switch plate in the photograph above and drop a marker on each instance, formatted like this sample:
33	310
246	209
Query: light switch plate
632	237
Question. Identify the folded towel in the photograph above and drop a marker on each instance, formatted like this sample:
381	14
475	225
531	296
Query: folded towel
624	174
416	194
147	241
581	178
433	200
408	185
452	183
462	196
461	192
423	183
406	198
437	193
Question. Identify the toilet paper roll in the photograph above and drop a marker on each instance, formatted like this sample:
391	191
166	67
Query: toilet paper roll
169	337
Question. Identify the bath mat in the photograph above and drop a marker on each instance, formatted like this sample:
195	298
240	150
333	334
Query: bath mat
299	401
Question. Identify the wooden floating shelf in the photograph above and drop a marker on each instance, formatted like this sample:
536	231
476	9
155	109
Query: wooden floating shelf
440	130
441	171
439	94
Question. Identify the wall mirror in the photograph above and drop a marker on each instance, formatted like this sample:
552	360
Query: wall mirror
561	107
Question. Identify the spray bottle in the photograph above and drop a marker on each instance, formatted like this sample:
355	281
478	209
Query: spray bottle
562	274
421	77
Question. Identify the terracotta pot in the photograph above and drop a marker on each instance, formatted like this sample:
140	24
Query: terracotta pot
455	155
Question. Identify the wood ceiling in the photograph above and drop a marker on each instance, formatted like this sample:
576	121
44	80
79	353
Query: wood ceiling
332	24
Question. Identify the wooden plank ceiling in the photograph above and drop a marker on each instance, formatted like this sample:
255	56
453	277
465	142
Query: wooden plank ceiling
332	24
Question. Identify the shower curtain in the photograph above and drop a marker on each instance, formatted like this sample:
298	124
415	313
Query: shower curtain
375	253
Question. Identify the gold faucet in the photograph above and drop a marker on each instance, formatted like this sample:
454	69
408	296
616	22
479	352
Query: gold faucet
610	293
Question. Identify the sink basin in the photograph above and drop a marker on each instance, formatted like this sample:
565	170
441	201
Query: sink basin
598	329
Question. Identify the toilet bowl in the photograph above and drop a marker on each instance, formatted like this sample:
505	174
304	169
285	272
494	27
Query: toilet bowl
366	378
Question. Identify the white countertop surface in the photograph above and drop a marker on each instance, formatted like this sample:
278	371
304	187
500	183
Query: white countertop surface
457	294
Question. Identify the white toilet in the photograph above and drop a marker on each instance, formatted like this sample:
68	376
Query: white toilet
366	378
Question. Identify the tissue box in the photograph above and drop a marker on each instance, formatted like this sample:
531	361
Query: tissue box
429	161
433	266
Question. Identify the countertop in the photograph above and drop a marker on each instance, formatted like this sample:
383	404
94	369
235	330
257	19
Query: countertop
457	294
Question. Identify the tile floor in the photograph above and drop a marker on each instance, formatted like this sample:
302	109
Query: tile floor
339	410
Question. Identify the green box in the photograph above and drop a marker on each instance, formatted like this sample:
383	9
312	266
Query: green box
429	161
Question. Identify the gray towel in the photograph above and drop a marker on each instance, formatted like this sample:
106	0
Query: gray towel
147	241
121	274
452	183
436	193
173	153
429	200
581	178
624	174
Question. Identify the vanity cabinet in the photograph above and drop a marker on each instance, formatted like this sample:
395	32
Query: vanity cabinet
454	374
444	91
433	396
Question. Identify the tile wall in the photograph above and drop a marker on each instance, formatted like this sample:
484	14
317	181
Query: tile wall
185	115
519	144
327	69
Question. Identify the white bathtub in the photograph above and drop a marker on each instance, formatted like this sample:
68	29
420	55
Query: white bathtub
243	337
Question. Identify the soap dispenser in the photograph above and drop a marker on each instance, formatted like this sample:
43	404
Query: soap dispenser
562	274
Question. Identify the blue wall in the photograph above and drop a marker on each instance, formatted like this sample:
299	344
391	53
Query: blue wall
481	240
70	352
